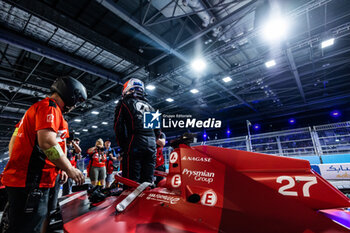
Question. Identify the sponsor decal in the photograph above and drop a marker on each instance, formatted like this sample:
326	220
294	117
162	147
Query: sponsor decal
151	120
197	159
176	181
163	198
61	135
202	176
49	118
209	198
173	157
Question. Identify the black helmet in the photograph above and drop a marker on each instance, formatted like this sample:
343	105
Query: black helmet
70	90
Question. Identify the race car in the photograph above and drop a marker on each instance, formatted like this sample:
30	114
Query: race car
212	189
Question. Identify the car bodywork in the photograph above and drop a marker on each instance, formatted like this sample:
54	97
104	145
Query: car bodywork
212	189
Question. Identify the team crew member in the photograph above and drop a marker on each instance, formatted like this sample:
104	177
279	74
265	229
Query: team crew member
111	157
73	153
37	149
97	165
137	143
160	166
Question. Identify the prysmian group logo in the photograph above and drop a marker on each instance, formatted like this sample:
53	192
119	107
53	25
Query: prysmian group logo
151	120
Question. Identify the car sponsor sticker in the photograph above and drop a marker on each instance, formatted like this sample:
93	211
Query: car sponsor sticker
201	176
173	157
176	181
209	198
197	159
162	198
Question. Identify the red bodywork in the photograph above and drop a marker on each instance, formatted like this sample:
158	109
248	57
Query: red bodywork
211	189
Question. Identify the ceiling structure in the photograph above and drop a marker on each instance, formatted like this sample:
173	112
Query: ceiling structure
102	43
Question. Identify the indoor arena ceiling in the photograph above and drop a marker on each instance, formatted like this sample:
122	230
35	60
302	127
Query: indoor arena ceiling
102	43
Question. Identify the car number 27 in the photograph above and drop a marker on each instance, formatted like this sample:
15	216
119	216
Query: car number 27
309	181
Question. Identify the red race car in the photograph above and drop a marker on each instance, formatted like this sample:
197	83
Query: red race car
211	189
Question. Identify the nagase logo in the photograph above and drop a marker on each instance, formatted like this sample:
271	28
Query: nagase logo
191	123
197	159
202	176
151	120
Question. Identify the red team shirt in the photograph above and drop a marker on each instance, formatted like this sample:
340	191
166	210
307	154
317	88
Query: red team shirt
99	160
27	162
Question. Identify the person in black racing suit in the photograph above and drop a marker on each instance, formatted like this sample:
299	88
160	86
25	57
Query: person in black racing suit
137	143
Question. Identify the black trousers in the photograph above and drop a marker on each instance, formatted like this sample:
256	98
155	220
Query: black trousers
19	220
159	178
66	189
139	165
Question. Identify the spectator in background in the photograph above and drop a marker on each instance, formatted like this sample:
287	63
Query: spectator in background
160	166
79	156
111	157
73	153
97	165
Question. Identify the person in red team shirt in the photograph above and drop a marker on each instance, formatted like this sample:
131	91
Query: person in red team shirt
160	166
97	165
37	151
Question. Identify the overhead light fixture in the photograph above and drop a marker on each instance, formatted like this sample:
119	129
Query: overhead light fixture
77	120
327	43
275	29
336	113
169	100
150	87
104	123
116	101
198	65
291	121
85	130
227	79
194	91
77	133
94	126
95	112
270	63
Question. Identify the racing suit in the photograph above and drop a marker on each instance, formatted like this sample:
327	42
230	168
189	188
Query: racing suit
137	143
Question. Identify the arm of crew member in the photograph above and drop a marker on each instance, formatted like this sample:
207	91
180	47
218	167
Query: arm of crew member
161	142
46	141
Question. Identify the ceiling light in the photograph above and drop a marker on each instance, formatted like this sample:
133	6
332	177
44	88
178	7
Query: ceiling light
150	87
270	63
85	130
275	29
194	91
116	101
227	79
94	127
104	123
77	120
327	43
198	65
95	112
170	100
77	133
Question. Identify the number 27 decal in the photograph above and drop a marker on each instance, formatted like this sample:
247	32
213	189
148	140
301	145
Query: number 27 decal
310	180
